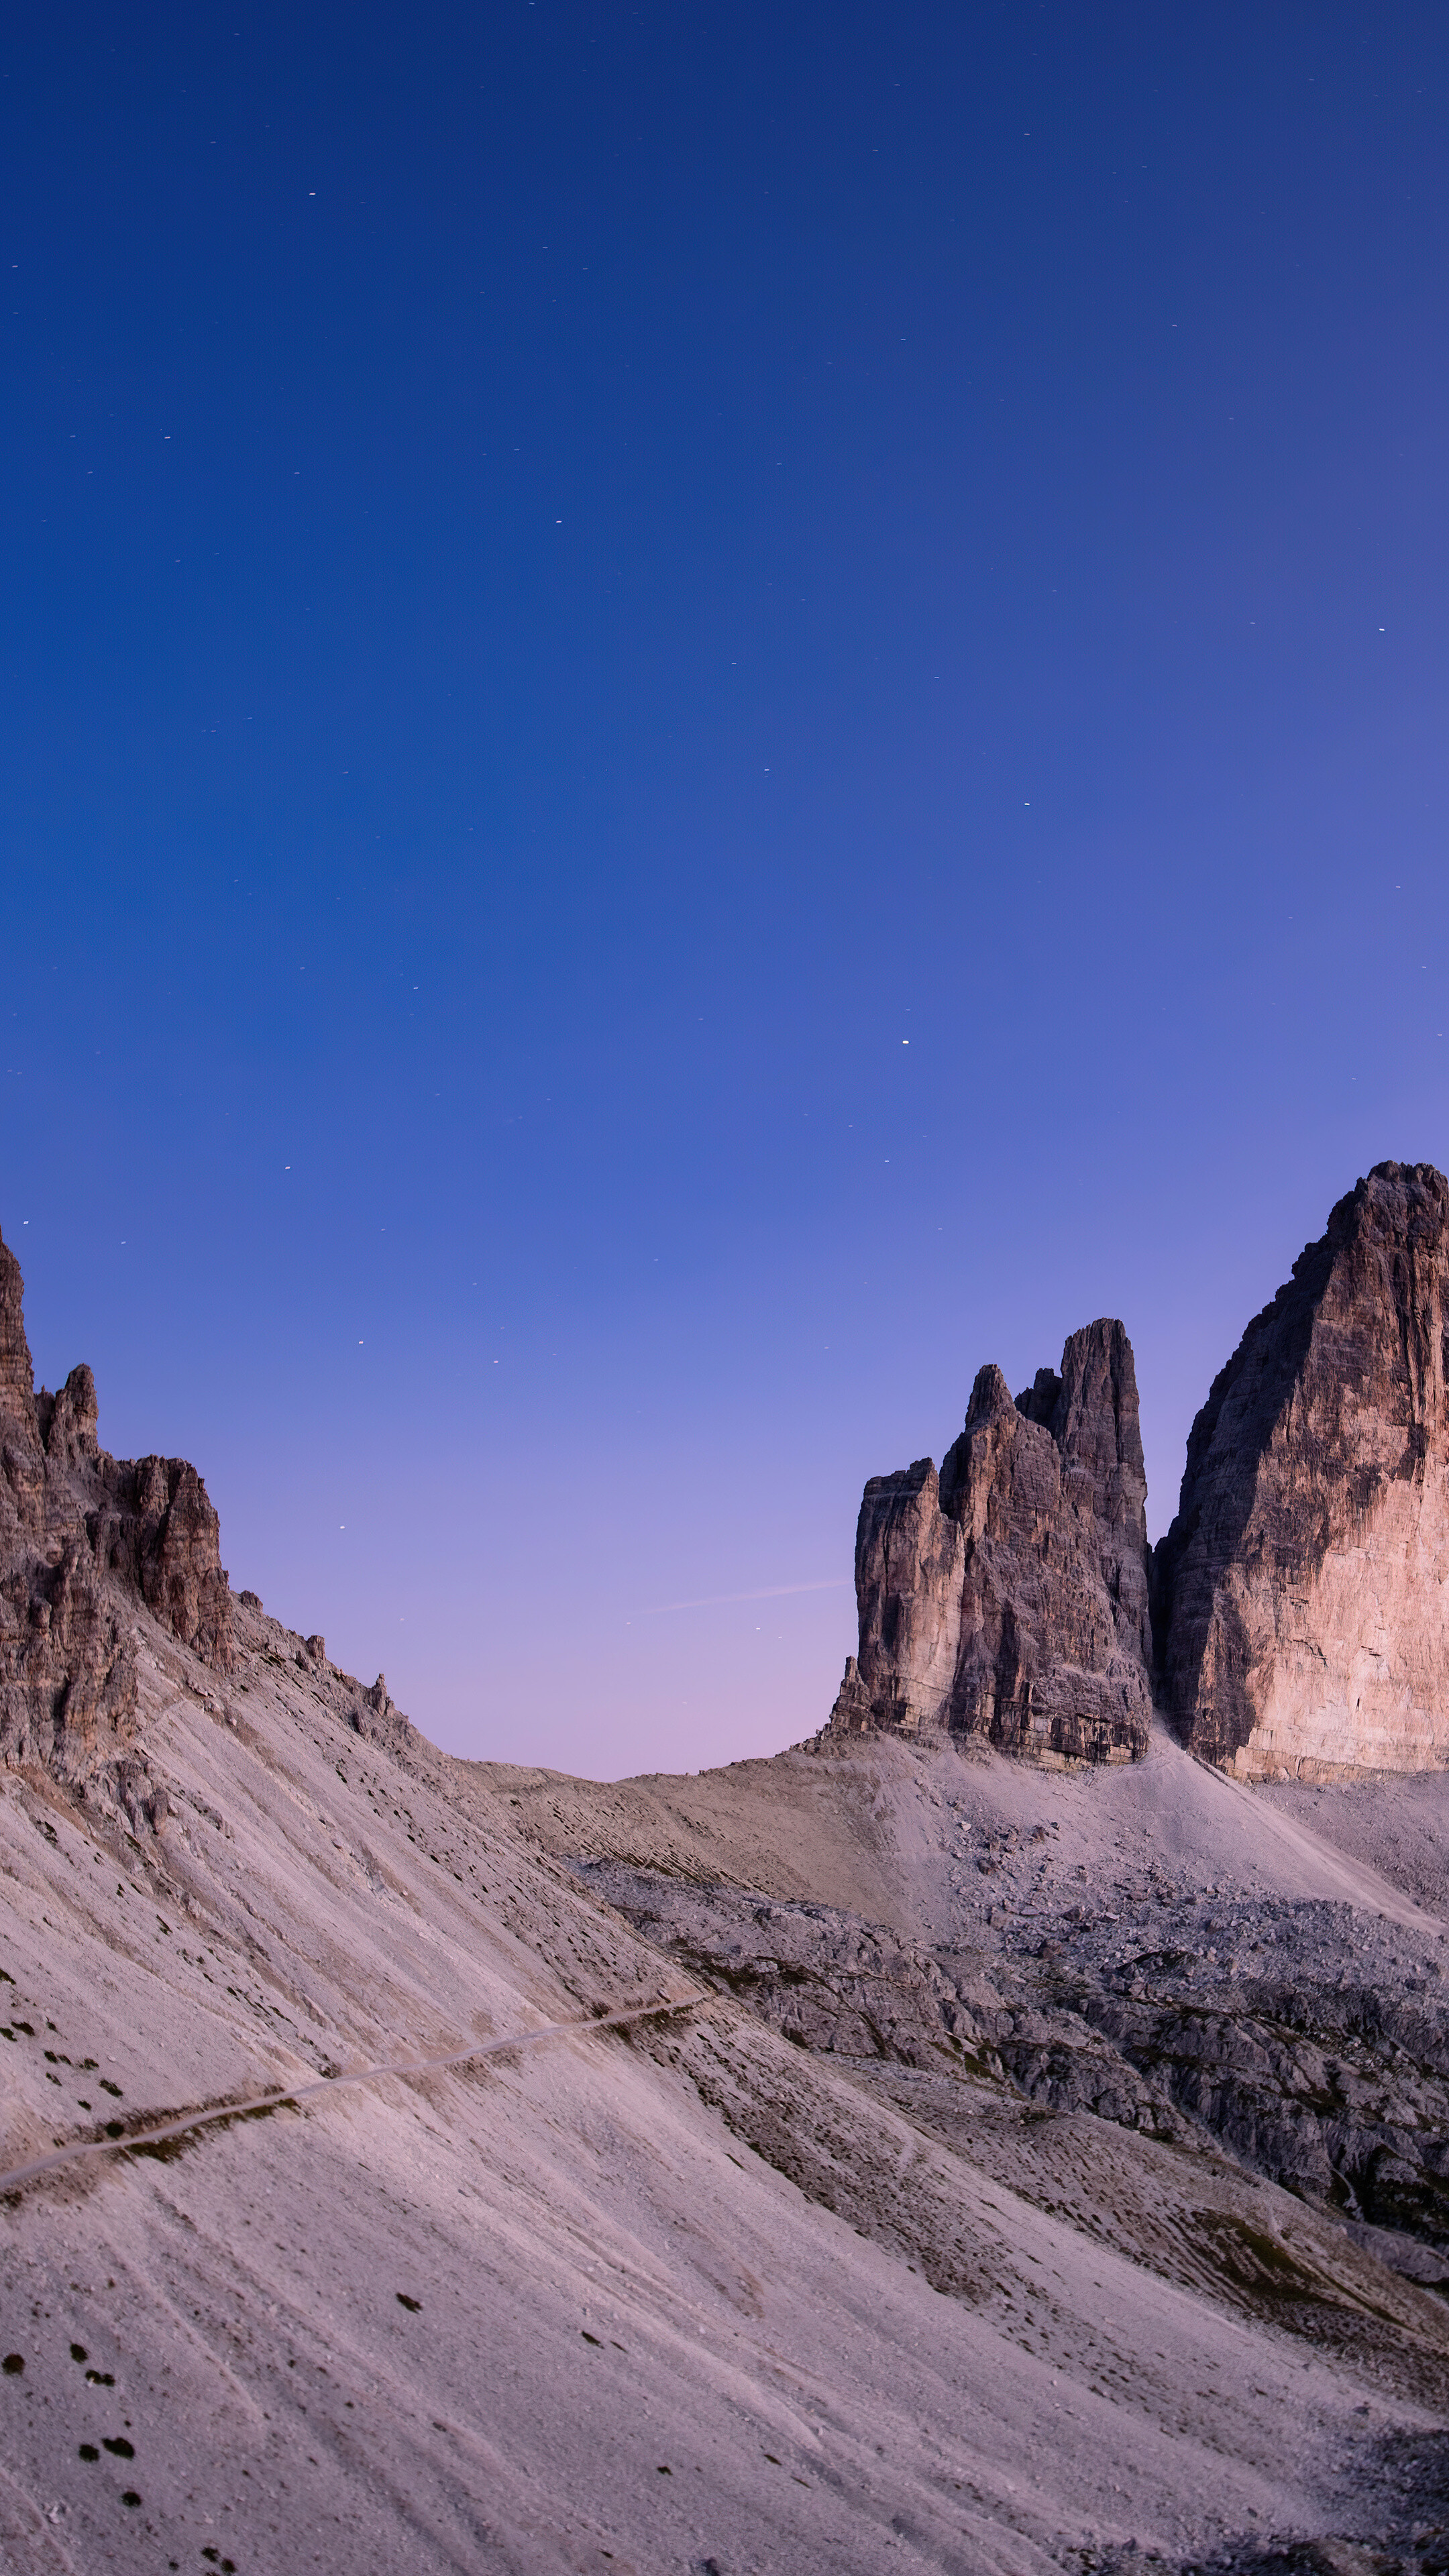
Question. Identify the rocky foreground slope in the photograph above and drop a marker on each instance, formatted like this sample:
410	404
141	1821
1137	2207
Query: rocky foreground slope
1010	2170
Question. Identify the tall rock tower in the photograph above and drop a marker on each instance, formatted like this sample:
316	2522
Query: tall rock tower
1008	1597
1301	1596
83	1537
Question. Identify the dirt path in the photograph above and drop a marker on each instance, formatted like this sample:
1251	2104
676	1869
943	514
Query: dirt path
11	2184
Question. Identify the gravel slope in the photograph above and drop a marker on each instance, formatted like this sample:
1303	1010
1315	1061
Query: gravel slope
911	2241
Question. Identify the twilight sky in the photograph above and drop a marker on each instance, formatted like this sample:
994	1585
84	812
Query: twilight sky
707	712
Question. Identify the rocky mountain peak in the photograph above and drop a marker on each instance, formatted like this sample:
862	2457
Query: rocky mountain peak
17	1379
68	1421
1008	1597
84	1538
1299	1592
991	1399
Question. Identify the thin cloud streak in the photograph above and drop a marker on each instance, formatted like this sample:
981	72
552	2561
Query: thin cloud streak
775	1592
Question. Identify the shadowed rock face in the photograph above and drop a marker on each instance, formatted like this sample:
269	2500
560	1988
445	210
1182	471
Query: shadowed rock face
22	1462
83	1536
17	1386
67	1421
1008	1597
1301	1606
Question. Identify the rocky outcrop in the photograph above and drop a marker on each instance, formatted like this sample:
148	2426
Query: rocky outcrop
1008	1596
1302	1593
22	1460
375	1715
175	1534
84	1537
68	1421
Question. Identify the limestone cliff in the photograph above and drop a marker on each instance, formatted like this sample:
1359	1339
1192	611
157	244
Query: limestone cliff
1008	1597
83	1537
1300	1601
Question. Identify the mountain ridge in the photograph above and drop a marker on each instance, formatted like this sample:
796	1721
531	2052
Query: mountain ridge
894	2145
1290	1623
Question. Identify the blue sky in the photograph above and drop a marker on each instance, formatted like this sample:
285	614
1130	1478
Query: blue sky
707	713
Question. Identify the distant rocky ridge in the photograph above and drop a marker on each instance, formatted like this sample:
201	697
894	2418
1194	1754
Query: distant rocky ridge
1301	1596
1293	1622
1300	1601
83	1538
1008	1597
87	1540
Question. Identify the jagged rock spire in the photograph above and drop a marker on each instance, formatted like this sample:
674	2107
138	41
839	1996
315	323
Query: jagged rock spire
17	1378
1300	1594
84	1538
1008	1597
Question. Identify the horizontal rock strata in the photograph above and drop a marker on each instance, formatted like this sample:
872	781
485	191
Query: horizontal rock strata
1300	1596
1008	1596
84	1537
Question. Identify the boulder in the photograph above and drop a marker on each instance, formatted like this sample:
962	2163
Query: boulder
1008	1596
1301	1596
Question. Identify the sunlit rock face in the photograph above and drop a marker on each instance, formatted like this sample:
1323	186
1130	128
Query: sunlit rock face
83	1538
1008	1597
1300	1596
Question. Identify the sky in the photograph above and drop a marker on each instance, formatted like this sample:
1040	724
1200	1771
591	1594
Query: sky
707	712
